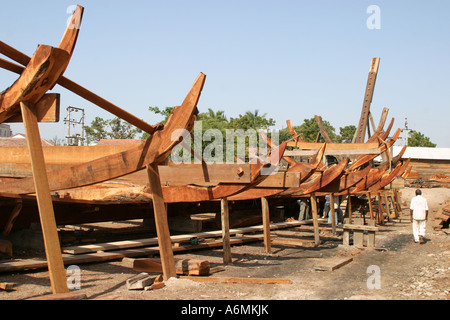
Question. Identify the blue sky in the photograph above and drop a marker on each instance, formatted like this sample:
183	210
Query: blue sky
289	59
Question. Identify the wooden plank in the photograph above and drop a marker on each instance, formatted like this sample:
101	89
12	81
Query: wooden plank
224	213
184	266
333	263
127	244
282	179
266	224
61	296
34	264
46	109
204	174
359	227
292	242
162	227
238	280
45	204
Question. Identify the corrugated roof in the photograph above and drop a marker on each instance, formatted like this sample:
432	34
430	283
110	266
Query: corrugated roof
423	153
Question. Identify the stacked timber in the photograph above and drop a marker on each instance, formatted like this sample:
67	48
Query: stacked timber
442	219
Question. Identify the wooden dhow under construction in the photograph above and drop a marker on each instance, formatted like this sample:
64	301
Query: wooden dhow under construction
78	184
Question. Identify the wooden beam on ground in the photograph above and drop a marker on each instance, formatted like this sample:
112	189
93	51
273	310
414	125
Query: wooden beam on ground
266	224
126	244
185	266
162	226
238	280
45	204
333	263
315	219
224	213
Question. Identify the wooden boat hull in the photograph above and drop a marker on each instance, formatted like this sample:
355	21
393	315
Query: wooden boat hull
156	149
315	183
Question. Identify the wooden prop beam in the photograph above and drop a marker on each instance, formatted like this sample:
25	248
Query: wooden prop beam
45	205
162	226
315	219
225	218
266	225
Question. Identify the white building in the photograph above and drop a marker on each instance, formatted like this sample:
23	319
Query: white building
5	130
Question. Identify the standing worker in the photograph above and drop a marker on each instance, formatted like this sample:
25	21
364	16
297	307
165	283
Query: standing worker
419	216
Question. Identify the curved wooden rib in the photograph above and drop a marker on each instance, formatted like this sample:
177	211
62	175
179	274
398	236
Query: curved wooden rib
192	193
306	170
398	157
374	176
387	179
315	183
155	150
380	127
71	34
41	73
345	181
292	131
359	161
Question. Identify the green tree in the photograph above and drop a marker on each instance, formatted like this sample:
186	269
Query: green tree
109	129
346	134
418	139
309	130
252	120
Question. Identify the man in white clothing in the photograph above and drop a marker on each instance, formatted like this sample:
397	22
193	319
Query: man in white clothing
419	216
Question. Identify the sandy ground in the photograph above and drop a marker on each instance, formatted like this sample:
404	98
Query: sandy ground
406	270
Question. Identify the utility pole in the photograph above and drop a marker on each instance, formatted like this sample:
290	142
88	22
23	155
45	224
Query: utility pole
407	130
75	139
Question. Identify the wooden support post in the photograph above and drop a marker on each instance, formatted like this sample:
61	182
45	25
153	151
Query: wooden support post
380	209
349	208
388	207
266	224
369	198
371	235
315	219
358	235
47	216
162	225
333	214
225	230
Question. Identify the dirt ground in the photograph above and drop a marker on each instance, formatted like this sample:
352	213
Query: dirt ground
408	271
